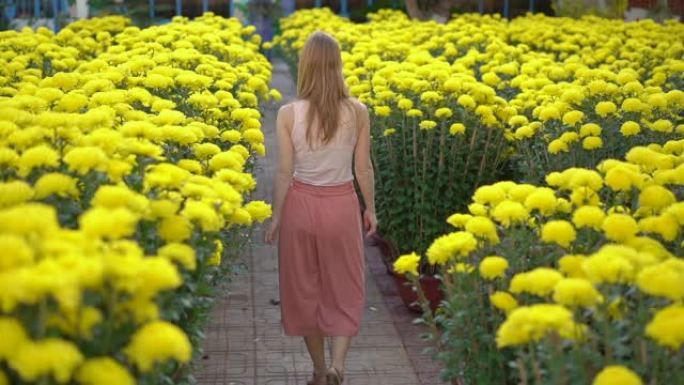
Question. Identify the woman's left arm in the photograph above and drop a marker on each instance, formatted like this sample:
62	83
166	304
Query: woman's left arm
284	168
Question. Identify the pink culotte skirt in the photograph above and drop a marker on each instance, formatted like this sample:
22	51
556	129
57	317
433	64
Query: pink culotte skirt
321	264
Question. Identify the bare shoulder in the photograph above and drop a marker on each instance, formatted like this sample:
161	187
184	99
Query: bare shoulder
358	106
286	109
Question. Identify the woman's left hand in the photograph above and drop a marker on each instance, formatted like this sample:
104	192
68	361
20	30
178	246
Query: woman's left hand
272	233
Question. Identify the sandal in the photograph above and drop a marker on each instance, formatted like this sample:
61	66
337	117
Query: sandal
334	376
314	380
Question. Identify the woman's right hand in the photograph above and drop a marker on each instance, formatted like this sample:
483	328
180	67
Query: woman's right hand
370	222
272	233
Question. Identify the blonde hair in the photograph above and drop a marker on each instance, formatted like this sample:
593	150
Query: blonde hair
320	81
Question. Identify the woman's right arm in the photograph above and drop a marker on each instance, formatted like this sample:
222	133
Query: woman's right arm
363	168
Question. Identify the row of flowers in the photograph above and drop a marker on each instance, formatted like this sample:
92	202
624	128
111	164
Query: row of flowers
481	98
125	174
561	283
570	282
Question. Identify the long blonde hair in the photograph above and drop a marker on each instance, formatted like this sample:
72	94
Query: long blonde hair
320	81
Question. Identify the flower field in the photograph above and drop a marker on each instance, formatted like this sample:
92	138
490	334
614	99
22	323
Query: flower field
481	99
126	160
536	165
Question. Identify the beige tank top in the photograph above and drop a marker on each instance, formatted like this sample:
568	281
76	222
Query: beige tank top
323	165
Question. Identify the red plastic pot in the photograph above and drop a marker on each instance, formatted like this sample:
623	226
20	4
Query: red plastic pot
430	286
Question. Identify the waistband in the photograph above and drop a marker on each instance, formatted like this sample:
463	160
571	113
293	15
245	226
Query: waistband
338	189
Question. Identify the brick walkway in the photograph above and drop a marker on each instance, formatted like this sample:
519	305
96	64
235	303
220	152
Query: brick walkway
245	344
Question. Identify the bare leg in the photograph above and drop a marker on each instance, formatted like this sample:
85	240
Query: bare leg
315	345
339	348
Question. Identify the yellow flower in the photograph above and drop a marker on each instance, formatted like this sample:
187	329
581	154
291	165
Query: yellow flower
405	104
630	128
571	266
179	252
632	105
576	292
258	210
558	145
493	267
560	232
445	247
539	281
56	183
466	101
664	279
619	227
15	250
407	263
39	156
48	357
253	135
119	196
203	214
205	150
458	220
503	301
477	209
13	335
656	197
573	117
510	212
84	159
531	323
427	124
604	109
457	128
592	142
226	159
103	371
590	129
489	194
588	216
621	178
28	218
482	227
215	259
549	113
156	342
232	136
542	199
608	265
109	223
667	327
616	375
175	228
382	110
14	193
443	113
662	125
414	113
389	132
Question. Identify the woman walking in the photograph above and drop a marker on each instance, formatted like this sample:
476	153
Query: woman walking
316	213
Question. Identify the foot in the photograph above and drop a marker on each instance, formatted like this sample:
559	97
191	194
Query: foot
317	379
334	376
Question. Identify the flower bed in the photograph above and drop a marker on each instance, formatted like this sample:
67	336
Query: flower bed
125	173
479	99
555	283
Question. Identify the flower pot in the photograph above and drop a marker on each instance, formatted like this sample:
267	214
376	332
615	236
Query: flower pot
388	252
430	286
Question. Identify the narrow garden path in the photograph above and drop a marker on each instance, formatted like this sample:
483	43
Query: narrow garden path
244	342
